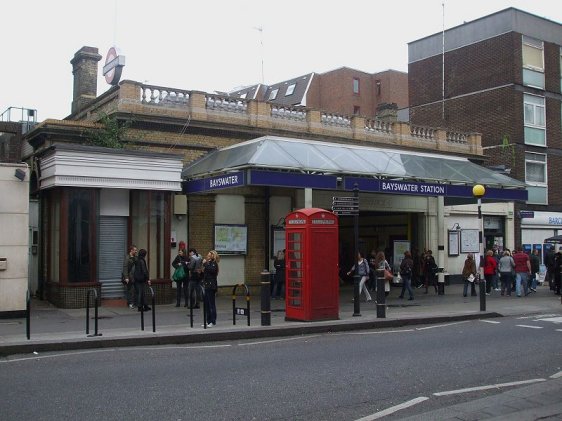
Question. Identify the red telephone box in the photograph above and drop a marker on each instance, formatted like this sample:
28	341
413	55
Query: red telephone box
311	259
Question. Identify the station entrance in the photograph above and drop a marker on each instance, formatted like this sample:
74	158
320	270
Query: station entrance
377	231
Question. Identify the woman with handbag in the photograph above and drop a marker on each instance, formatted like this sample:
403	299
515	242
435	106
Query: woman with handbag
363	271
210	274
180	276
469	275
381	264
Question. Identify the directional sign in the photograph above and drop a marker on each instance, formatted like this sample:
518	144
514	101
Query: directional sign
345	199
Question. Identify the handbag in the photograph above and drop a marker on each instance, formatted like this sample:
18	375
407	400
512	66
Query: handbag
471	278
179	274
388	276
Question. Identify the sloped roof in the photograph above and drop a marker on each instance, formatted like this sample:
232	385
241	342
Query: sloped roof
308	156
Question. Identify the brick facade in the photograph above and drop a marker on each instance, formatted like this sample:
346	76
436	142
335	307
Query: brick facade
484	93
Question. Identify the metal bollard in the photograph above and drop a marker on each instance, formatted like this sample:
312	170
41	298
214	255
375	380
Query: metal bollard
381	298
28	315
153	301
96	301
441	283
482	286
356	295
265	298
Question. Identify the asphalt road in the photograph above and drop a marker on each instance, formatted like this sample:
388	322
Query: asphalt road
343	376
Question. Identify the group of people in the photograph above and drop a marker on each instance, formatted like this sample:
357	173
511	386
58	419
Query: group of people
516	272
135	278
198	282
367	272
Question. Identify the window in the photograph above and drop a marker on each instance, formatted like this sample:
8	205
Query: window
356	86
534	114
150	223
290	89
536	178
273	94
243	96
80	234
533	62
356	110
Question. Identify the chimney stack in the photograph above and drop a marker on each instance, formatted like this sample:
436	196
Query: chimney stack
85	71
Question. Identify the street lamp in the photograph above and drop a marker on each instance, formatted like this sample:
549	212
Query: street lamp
478	191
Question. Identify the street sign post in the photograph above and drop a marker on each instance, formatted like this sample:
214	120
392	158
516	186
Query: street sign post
345	205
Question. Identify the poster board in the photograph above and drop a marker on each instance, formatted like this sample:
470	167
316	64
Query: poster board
231	239
454	243
277	240
469	241
400	246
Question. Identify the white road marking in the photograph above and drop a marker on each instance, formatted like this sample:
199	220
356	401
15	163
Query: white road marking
42	357
490	321
393	409
97	351
551	319
558	330
555	376
378	333
530	327
278	340
436	326
536	316
491	386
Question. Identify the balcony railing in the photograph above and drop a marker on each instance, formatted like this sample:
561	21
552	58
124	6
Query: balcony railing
292	119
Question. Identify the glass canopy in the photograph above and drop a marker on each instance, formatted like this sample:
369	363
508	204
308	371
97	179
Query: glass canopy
313	157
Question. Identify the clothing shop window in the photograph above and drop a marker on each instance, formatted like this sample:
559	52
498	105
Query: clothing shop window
536	178
150	229
533	62
534	114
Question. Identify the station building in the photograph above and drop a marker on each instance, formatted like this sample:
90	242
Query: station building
222	173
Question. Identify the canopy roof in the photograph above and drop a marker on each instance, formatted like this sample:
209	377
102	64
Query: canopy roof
314	157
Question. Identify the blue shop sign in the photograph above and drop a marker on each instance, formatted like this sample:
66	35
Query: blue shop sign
225	181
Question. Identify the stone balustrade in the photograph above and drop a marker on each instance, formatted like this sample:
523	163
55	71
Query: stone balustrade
200	106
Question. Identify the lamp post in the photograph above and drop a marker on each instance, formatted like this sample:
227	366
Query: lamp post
478	191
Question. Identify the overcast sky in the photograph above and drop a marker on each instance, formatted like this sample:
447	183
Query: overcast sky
215	45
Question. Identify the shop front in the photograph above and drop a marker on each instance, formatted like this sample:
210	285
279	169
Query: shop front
94	203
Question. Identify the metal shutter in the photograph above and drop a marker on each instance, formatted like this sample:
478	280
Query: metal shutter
112	251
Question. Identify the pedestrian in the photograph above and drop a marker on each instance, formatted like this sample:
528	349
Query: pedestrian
469	275
496	278
382	265
279	278
141	277
522	271
181	276
195	275
549	263
430	271
557	272
535	268
406	270
372	281
416	271
210	283
490	269
506	266
361	268
127	275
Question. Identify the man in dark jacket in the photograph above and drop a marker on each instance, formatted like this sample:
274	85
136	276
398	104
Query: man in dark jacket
127	275
535	267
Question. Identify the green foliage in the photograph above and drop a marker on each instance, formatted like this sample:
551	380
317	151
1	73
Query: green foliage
510	146
110	135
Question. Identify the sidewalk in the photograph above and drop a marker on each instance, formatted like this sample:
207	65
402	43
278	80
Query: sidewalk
54	329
